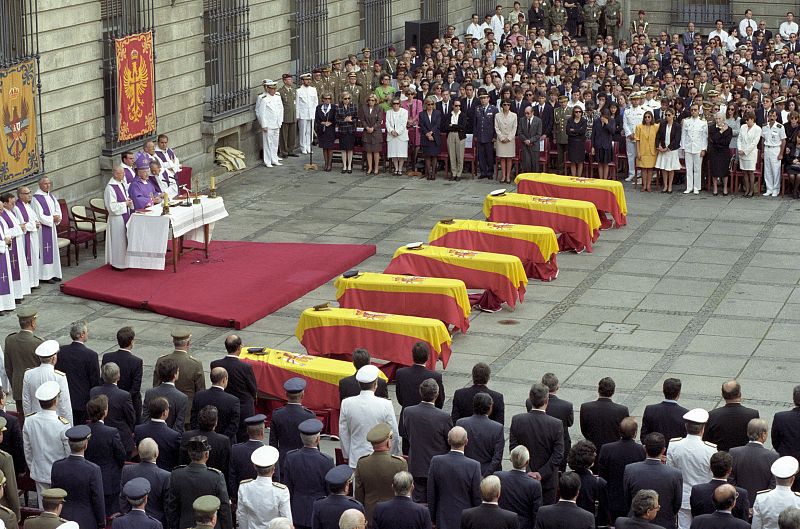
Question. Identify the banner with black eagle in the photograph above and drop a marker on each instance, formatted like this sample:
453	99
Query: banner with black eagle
136	97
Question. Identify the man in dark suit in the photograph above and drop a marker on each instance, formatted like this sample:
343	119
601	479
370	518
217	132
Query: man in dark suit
304	472
611	463
12	442
220	444
241	467
168	372
701	497
241	382
654	475
600	418
666	417
167	439
401	512
544	110
454	482
753	461
82	480
349	387
227	405
426	428
644	508
407	381
283	432
785	430
80	365
530	132
445	106
566	512
158	478
521	493
106	451
722	518
484	135
486	439
136	493
727	426
543	436
121	414
469	104
463	398
489	515
560	409
130	367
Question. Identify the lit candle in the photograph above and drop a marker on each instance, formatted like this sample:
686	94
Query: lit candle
213	183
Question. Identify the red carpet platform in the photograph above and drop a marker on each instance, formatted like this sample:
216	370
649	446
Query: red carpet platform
240	283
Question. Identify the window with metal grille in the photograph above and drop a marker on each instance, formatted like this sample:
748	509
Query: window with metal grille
310	35
701	12
377	26
485	7
226	26
120	18
435	10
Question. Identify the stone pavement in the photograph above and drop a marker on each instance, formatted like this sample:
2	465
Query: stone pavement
701	288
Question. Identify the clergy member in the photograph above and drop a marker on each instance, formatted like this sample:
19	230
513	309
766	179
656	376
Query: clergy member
142	191
119	211
49	213
6	293
128	165
19	266
26	216
162	179
169	160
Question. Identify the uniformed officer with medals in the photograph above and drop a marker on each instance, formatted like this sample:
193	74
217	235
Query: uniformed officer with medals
261	499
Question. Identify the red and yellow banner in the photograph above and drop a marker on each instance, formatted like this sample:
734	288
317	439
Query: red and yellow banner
501	274
576	221
273	367
536	246
390	337
426	297
136	96
606	195
18	140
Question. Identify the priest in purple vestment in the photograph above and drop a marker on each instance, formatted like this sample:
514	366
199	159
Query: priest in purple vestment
142	191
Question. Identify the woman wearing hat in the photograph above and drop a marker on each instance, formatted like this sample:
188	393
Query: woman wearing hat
646	154
346	117
397	136
325	128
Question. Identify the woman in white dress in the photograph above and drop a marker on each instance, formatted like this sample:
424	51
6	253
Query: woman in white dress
397	136
747	150
119	207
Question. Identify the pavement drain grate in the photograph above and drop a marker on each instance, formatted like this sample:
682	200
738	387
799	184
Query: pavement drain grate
616	328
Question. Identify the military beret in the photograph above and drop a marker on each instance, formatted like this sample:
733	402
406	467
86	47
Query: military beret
136	489
697	415
367	374
182	332
206	504
264	456
255	419
392	48
310	426
78	433
26	312
379	433
784	467
48	391
199	443
339	475
54	494
47	349
294	385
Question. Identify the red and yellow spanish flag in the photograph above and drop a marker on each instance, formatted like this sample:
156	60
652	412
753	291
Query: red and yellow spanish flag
390	337
503	275
273	367
136	77
426	297
576	221
536	246
606	195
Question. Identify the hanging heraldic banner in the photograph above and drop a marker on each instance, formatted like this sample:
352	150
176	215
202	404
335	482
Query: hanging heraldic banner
136	101
18	140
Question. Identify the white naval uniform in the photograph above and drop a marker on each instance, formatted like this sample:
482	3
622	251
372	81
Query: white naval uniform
694	139
269	111
692	456
307	101
117	231
7	301
770	504
51	270
33	269
260	501
633	116
35	377
13	229
44	443
358	415
774	137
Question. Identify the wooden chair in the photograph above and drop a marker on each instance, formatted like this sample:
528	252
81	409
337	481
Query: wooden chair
587	161
444	154
544	152
98	207
85	221
621	158
66	230
471	158
758	173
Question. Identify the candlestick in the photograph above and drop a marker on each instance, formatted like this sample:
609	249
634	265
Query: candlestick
164	204
196	193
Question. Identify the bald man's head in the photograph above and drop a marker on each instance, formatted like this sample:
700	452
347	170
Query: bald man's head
219	376
457	438
725	497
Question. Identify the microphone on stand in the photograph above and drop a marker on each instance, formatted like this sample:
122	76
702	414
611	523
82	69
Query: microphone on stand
186	202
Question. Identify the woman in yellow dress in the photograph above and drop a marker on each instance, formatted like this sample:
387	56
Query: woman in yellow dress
646	154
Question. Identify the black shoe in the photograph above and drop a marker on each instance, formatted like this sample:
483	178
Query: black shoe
349	171
56	280
293	155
